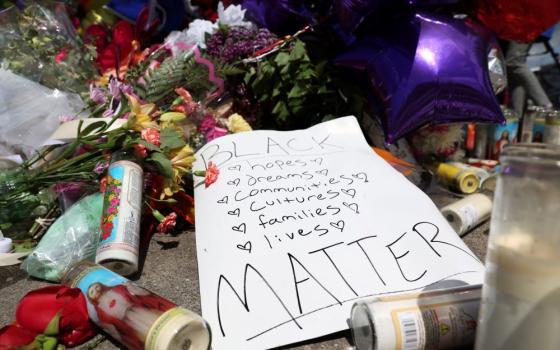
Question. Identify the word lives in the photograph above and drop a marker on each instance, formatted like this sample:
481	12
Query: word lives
301	200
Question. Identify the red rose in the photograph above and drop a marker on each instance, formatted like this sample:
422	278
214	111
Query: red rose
37	308
13	337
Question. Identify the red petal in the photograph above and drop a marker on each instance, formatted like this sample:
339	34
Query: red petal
123	34
14	337
36	309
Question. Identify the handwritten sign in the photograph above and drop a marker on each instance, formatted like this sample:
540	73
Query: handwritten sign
301	224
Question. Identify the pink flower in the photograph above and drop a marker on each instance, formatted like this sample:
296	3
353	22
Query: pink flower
211	174
168	223
215	133
209	127
61	56
141	151
207	124
151	135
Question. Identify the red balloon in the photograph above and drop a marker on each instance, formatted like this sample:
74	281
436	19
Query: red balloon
518	20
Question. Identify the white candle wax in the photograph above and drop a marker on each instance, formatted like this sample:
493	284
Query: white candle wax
521	295
5	245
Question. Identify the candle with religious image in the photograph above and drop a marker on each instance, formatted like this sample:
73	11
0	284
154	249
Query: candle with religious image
134	316
120	221
520	306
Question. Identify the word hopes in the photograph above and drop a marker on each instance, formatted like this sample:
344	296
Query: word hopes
301	224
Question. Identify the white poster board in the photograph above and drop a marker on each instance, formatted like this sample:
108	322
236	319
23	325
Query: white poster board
301	224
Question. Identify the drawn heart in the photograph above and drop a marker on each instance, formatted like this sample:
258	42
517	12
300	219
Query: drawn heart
318	161
234	182
352	206
323	172
235	167
361	176
240	228
247	246
339	225
223	200
235	212
351	192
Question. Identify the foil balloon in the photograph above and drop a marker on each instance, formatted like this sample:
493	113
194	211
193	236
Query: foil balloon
350	13
426	69
497	69
431	2
496	61
518	20
281	17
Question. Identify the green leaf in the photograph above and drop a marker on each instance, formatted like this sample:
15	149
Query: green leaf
99	125
298	52
52	327
296	91
148	145
171	138
281	111
164	165
282	58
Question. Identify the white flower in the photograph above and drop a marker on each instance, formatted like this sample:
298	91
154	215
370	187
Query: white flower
233	15
194	35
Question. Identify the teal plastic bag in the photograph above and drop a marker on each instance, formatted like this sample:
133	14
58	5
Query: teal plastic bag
73	237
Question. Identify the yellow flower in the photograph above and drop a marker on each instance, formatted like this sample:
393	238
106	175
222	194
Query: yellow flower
236	124
183	159
139	118
181	162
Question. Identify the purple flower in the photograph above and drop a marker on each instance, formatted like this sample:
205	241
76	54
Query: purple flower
108	113
100	167
97	95
127	89
238	43
114	88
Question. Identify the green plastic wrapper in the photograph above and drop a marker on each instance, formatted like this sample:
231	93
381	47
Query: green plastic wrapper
73	237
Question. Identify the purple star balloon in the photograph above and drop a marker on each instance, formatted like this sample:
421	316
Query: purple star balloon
279	16
426	68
